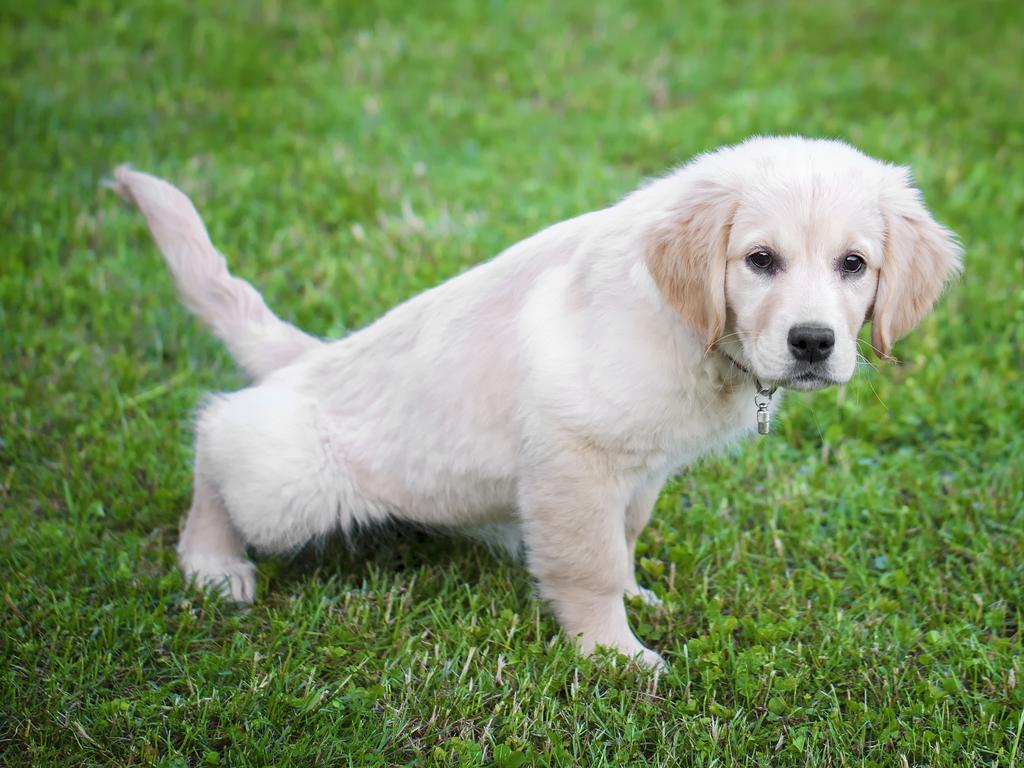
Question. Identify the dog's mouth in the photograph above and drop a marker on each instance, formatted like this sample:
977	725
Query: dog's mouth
802	377
808	380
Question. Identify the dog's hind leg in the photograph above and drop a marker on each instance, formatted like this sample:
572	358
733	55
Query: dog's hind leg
210	551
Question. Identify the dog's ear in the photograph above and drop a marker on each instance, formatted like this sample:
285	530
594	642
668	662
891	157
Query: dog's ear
921	256
686	255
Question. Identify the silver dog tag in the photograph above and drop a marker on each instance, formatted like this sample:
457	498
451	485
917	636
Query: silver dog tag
762	397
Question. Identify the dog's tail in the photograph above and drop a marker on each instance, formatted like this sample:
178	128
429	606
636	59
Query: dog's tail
258	340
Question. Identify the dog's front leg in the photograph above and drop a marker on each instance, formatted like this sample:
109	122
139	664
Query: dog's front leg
574	526
638	513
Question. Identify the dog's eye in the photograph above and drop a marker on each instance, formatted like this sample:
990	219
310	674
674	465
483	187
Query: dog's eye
761	260
852	264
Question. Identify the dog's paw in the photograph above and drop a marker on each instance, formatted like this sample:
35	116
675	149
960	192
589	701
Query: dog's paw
627	646
645	596
651	659
641	656
231	578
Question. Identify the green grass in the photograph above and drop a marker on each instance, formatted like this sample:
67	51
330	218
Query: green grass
848	592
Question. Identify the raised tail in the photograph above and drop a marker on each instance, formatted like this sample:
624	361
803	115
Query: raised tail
258	340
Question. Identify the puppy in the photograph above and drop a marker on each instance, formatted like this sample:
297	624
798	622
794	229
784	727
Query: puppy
548	394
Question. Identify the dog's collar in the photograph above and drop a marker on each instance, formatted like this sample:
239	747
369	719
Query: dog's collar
762	395
737	364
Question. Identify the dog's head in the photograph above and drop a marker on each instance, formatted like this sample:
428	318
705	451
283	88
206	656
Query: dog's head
778	250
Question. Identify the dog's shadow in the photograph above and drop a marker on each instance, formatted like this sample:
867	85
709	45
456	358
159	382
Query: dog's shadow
392	550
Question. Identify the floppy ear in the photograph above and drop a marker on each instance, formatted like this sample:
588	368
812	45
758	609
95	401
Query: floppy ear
921	256
686	256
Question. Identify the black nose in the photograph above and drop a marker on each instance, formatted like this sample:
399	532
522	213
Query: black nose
811	343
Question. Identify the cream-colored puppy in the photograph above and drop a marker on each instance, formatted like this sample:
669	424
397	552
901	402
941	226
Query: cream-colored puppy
546	395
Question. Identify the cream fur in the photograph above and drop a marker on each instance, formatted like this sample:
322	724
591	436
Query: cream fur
546	395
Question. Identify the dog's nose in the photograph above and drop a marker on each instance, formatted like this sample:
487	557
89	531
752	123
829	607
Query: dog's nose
811	343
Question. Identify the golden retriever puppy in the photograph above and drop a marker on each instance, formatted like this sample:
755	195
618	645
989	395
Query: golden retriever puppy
546	395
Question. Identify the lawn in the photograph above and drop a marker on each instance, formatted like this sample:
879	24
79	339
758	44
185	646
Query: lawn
846	592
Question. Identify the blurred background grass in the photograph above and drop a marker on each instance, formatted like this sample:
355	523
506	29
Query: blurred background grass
847	592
